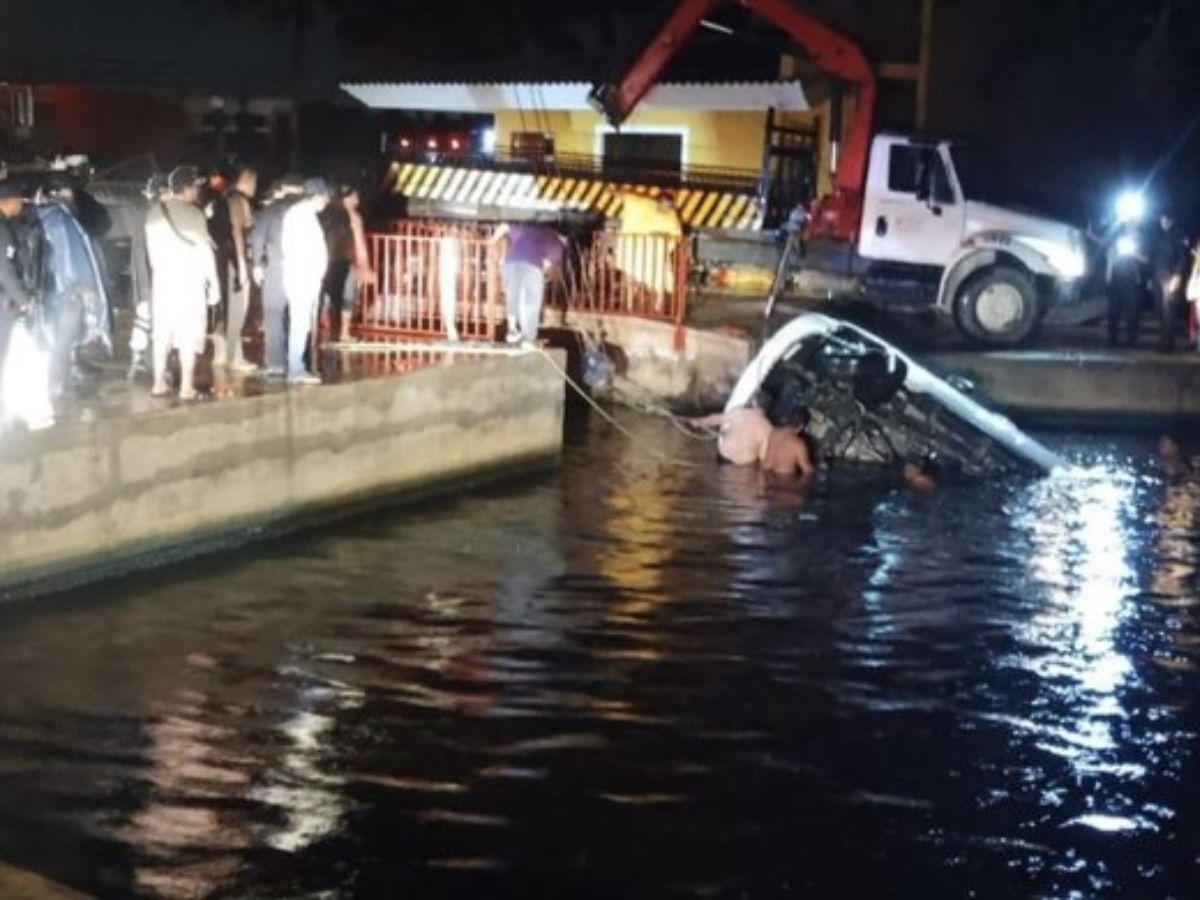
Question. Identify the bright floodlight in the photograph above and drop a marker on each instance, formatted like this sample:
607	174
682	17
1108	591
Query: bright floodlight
1131	206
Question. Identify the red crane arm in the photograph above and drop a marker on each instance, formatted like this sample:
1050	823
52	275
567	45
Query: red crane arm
618	99
829	51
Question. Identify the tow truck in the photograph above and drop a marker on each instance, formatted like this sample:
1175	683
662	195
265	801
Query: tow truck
903	226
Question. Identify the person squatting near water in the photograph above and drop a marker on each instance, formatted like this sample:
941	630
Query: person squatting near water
533	252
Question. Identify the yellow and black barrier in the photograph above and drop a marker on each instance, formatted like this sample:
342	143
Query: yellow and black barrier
698	208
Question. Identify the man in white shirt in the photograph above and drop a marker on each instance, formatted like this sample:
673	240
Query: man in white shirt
305	259
184	273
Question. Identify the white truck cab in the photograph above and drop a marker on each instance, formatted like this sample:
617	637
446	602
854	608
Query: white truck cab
994	270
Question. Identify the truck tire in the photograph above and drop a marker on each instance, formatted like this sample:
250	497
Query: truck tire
998	307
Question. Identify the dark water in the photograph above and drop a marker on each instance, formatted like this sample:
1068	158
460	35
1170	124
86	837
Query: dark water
632	680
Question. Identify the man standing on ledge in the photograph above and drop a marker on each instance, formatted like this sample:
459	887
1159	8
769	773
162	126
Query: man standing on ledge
14	299
533	252
266	260
241	217
305	259
184	276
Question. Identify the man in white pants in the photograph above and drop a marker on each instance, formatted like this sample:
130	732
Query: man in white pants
305	259
533	251
184	275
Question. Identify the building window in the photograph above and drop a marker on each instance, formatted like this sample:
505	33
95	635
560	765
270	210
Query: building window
642	153
536	146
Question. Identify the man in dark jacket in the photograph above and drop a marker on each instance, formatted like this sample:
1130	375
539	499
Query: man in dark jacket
1168	270
1128	274
266	263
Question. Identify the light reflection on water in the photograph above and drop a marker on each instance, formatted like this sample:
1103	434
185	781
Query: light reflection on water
635	680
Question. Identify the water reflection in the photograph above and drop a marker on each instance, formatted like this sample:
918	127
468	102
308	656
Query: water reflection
187	847
1080	529
300	784
629	679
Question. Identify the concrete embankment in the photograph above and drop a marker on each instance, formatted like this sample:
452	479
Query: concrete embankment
1092	388
686	368
86	499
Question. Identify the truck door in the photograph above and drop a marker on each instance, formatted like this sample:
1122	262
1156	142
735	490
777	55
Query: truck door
913	211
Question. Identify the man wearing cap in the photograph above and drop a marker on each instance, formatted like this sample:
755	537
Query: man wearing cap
266	265
305	260
184	275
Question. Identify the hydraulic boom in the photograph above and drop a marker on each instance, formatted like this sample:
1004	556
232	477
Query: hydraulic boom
837	215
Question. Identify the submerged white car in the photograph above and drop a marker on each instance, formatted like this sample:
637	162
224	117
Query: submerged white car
869	402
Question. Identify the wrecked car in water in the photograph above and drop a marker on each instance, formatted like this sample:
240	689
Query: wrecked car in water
870	403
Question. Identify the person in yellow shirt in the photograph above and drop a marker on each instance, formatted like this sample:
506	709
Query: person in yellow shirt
646	240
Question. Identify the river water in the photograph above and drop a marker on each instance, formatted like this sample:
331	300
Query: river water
631	679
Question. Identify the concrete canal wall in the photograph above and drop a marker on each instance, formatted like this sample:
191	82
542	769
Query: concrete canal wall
84	499
688	368
1094	388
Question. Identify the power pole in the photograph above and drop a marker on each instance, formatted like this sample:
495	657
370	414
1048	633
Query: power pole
924	65
919	72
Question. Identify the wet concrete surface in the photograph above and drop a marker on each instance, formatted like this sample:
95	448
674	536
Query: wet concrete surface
106	389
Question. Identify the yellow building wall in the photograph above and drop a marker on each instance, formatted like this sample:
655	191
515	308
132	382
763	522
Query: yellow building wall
719	139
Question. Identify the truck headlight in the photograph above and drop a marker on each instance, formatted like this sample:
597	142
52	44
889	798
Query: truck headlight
1130	206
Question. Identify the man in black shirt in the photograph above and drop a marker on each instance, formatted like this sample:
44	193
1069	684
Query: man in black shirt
1168	264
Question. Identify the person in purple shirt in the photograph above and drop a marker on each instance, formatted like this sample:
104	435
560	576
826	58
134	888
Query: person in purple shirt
533	251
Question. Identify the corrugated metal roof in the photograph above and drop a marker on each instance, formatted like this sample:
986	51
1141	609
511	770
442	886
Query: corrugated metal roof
482	97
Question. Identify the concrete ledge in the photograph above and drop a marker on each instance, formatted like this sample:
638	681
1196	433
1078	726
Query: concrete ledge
1097	388
687	368
136	489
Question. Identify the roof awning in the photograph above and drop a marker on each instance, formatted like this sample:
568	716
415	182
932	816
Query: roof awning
470	97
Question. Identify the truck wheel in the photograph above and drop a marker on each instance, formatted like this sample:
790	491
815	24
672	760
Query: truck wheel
998	307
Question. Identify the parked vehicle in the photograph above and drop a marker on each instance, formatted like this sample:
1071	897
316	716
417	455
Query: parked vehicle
903	224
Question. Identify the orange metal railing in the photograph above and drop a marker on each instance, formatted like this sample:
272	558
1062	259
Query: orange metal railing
642	275
426	270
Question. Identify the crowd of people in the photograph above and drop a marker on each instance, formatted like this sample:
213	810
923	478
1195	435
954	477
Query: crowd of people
53	290
203	250
212	247
1148	269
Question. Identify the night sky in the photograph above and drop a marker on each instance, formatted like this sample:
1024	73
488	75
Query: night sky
1075	94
